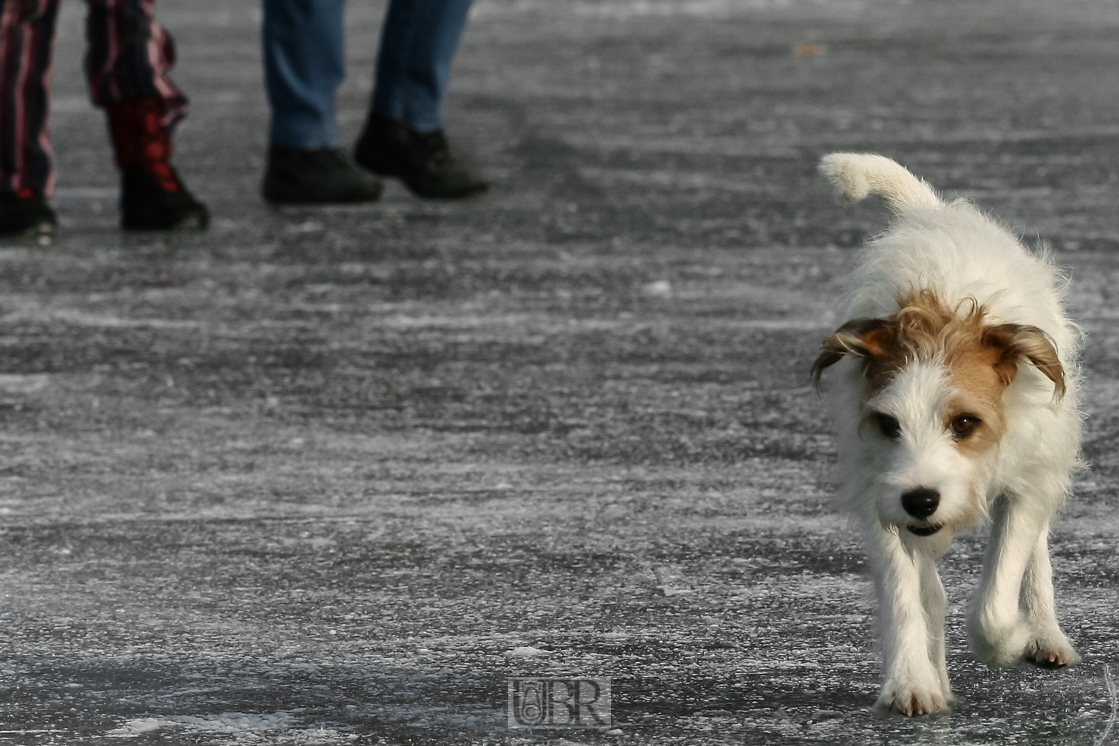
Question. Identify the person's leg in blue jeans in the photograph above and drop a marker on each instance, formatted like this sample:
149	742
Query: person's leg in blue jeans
304	63
418	44
403	136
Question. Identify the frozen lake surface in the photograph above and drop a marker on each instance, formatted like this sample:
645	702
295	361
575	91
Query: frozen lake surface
332	476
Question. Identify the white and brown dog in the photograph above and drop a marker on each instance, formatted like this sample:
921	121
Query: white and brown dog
956	403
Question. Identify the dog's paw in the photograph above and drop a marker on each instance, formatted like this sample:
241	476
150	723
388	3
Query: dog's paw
910	698
1051	651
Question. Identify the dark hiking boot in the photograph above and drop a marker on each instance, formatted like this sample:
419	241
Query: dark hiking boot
323	176
159	202
25	213
423	160
152	196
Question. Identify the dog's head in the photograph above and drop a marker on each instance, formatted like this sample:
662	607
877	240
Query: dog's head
932	415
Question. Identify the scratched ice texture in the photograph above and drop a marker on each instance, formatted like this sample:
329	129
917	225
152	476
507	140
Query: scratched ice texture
332	476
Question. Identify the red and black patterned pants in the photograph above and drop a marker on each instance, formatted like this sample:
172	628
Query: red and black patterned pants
129	56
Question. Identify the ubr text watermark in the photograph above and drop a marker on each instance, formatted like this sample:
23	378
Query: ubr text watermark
559	703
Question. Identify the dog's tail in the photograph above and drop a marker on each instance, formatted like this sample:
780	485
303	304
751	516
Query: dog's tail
857	175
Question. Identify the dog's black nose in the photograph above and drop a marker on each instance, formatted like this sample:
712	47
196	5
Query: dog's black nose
921	502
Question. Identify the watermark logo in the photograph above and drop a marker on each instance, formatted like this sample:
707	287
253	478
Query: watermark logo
559	703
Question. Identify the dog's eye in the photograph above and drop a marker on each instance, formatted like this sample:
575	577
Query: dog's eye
889	426
964	425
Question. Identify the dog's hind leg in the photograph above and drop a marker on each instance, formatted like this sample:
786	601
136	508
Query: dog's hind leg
1000	633
913	684
1050	648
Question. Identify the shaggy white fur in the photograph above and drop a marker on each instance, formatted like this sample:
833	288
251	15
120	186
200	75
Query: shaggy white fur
949	420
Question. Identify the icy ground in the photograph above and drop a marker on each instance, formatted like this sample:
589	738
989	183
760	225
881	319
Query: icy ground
332	476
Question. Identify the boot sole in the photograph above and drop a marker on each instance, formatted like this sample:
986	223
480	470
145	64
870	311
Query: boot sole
387	170
475	191
194	221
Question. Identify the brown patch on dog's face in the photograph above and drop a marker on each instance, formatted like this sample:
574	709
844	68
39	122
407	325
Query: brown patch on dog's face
975	416
982	365
982	360
916	332
986	356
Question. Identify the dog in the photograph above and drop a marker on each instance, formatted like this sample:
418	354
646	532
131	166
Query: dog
955	402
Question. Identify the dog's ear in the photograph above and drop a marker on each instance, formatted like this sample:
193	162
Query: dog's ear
1020	341
863	338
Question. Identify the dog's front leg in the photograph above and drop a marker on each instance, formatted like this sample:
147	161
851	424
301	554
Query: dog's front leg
1050	647
912	681
999	631
935	601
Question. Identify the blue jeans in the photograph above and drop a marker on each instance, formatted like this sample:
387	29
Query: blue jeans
304	62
